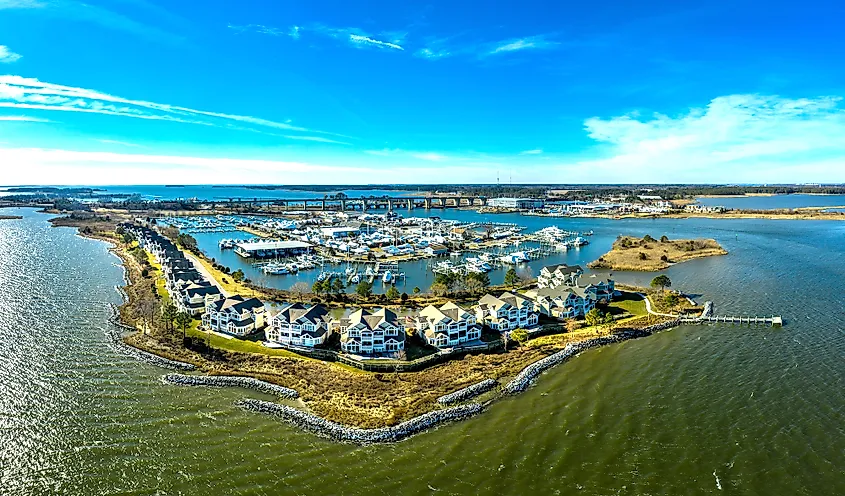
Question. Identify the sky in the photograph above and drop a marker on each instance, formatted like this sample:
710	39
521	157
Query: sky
344	92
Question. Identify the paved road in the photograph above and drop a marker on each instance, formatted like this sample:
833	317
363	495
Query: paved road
201	269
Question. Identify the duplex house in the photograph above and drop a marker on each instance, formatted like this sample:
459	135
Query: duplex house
564	302
558	275
194	297
299	325
447	326
506	312
366	333
235	315
602	290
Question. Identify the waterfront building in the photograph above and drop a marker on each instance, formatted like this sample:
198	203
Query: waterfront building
602	291
558	275
339	232
194	297
299	325
564	302
446	326
365	333
272	249
517	203
506	312
436	250
235	315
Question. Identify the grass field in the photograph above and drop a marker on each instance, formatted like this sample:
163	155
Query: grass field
649	254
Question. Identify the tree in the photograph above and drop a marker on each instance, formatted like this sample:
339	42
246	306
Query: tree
364	289
168	313
439	289
392	293
183	320
299	289
417	290
317	287
238	275
662	281
512	278
338	286
520	336
664	239
648	239
594	317
481	278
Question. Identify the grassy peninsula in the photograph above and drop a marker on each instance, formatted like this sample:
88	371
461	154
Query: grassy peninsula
648	254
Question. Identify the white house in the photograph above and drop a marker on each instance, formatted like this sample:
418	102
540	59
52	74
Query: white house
506	312
298	325
194	297
366	333
558	275
235	315
447	326
564	302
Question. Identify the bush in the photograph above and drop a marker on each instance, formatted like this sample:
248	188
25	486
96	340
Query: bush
643	256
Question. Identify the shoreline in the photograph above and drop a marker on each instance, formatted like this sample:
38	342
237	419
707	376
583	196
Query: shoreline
253	367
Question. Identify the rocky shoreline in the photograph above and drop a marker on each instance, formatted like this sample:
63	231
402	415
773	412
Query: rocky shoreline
116	342
230	381
341	433
524	379
467	392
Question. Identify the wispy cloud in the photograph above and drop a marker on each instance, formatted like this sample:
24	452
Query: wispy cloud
354	36
532	152
364	40
755	137
430	156
121	143
319	139
29	93
21	118
439	48
7	56
86	12
519	44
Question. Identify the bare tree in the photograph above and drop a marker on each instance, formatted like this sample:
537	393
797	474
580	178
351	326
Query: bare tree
300	289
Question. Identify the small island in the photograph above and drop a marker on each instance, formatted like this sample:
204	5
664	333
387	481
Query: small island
648	254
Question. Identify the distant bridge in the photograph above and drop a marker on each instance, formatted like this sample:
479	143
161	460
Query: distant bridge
362	204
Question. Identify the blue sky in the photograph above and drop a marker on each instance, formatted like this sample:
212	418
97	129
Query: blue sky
145	91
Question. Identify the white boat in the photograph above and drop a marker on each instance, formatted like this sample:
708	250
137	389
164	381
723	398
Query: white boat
355	279
349	271
387	277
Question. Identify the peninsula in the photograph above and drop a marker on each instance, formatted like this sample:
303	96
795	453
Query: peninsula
648	254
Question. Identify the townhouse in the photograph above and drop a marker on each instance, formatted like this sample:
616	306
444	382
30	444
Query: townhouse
558	275
506	312
366	333
299	325
235	315
446	326
564	302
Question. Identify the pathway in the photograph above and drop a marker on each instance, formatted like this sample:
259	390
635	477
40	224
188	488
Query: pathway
205	273
649	310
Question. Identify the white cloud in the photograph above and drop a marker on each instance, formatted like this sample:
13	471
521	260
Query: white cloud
432	54
293	32
736	138
518	44
319	139
7	56
87	12
32	165
364	40
21	118
29	93
121	143
430	156
532	152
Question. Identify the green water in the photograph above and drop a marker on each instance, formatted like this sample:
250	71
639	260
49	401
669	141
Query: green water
759	409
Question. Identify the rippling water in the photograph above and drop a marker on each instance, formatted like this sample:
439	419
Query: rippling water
759	409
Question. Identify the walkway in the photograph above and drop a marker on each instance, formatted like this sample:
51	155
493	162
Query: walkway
649	310
205	273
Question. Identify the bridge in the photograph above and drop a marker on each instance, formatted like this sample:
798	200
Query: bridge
362	204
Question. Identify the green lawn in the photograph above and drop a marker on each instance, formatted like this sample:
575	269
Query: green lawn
630	303
236	344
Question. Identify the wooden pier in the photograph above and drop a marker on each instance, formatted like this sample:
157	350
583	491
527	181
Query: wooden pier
773	321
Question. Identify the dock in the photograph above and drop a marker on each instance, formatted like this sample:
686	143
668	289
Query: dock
773	321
